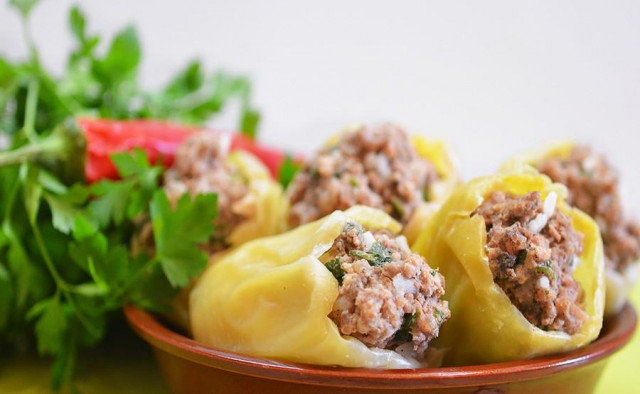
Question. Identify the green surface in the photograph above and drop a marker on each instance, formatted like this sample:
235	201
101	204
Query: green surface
123	364
622	374
126	363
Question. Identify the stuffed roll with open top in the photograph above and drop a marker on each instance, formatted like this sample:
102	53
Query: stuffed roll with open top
344	290
525	271
381	167
250	203
593	187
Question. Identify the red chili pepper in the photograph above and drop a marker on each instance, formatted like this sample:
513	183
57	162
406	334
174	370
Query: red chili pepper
88	144
159	140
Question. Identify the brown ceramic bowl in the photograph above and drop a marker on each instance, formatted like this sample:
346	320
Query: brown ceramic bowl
190	367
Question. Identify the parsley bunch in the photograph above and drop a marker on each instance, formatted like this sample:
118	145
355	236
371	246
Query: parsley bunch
106	85
66	260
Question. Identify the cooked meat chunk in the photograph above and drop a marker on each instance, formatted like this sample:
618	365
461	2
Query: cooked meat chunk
374	166
200	167
533	250
593	188
389	297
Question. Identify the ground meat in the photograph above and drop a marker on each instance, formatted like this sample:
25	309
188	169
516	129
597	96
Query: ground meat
389	297
532	250
200	167
593	188
374	166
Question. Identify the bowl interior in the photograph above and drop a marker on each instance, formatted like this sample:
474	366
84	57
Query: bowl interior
616	332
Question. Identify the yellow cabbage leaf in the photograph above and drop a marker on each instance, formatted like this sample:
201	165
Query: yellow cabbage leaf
271	298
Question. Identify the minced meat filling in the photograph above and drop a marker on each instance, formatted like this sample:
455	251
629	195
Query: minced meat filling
593	188
373	166
533	250
388	297
200	167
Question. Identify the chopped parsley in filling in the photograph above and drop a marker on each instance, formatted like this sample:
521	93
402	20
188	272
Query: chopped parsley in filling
374	166
533	250
593	188
388	296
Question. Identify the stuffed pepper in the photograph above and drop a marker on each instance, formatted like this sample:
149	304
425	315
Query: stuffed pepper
525	271
345	290
593	187
381	167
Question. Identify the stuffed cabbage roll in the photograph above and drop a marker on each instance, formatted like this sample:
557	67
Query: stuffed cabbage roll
525	271
250	202
345	290
593	187
381	167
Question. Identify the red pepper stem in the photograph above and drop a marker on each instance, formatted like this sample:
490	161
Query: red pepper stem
63	152
27	153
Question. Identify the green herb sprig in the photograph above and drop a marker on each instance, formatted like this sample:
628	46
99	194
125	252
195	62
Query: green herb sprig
66	260
404	334
377	255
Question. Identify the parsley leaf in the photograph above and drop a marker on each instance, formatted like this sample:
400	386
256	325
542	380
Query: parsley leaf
545	268
66	258
24	6
378	255
110	204
78	24
249	122
404	332
107	265
287	171
64	209
336	269
124	199
180	257
51	324
439	315
6	296
521	257
398	208
122	58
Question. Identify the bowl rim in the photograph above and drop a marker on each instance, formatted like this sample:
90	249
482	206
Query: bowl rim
617	332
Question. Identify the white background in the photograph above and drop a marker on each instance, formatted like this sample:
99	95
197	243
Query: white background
492	77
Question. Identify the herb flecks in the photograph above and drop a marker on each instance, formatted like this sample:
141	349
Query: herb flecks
546	268
521	257
398	208
287	171
336	269
426	194
404	334
439	316
377	255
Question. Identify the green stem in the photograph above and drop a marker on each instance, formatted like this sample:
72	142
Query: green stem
133	278
30	112
81	317
61	283
28	39
27	153
49	86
